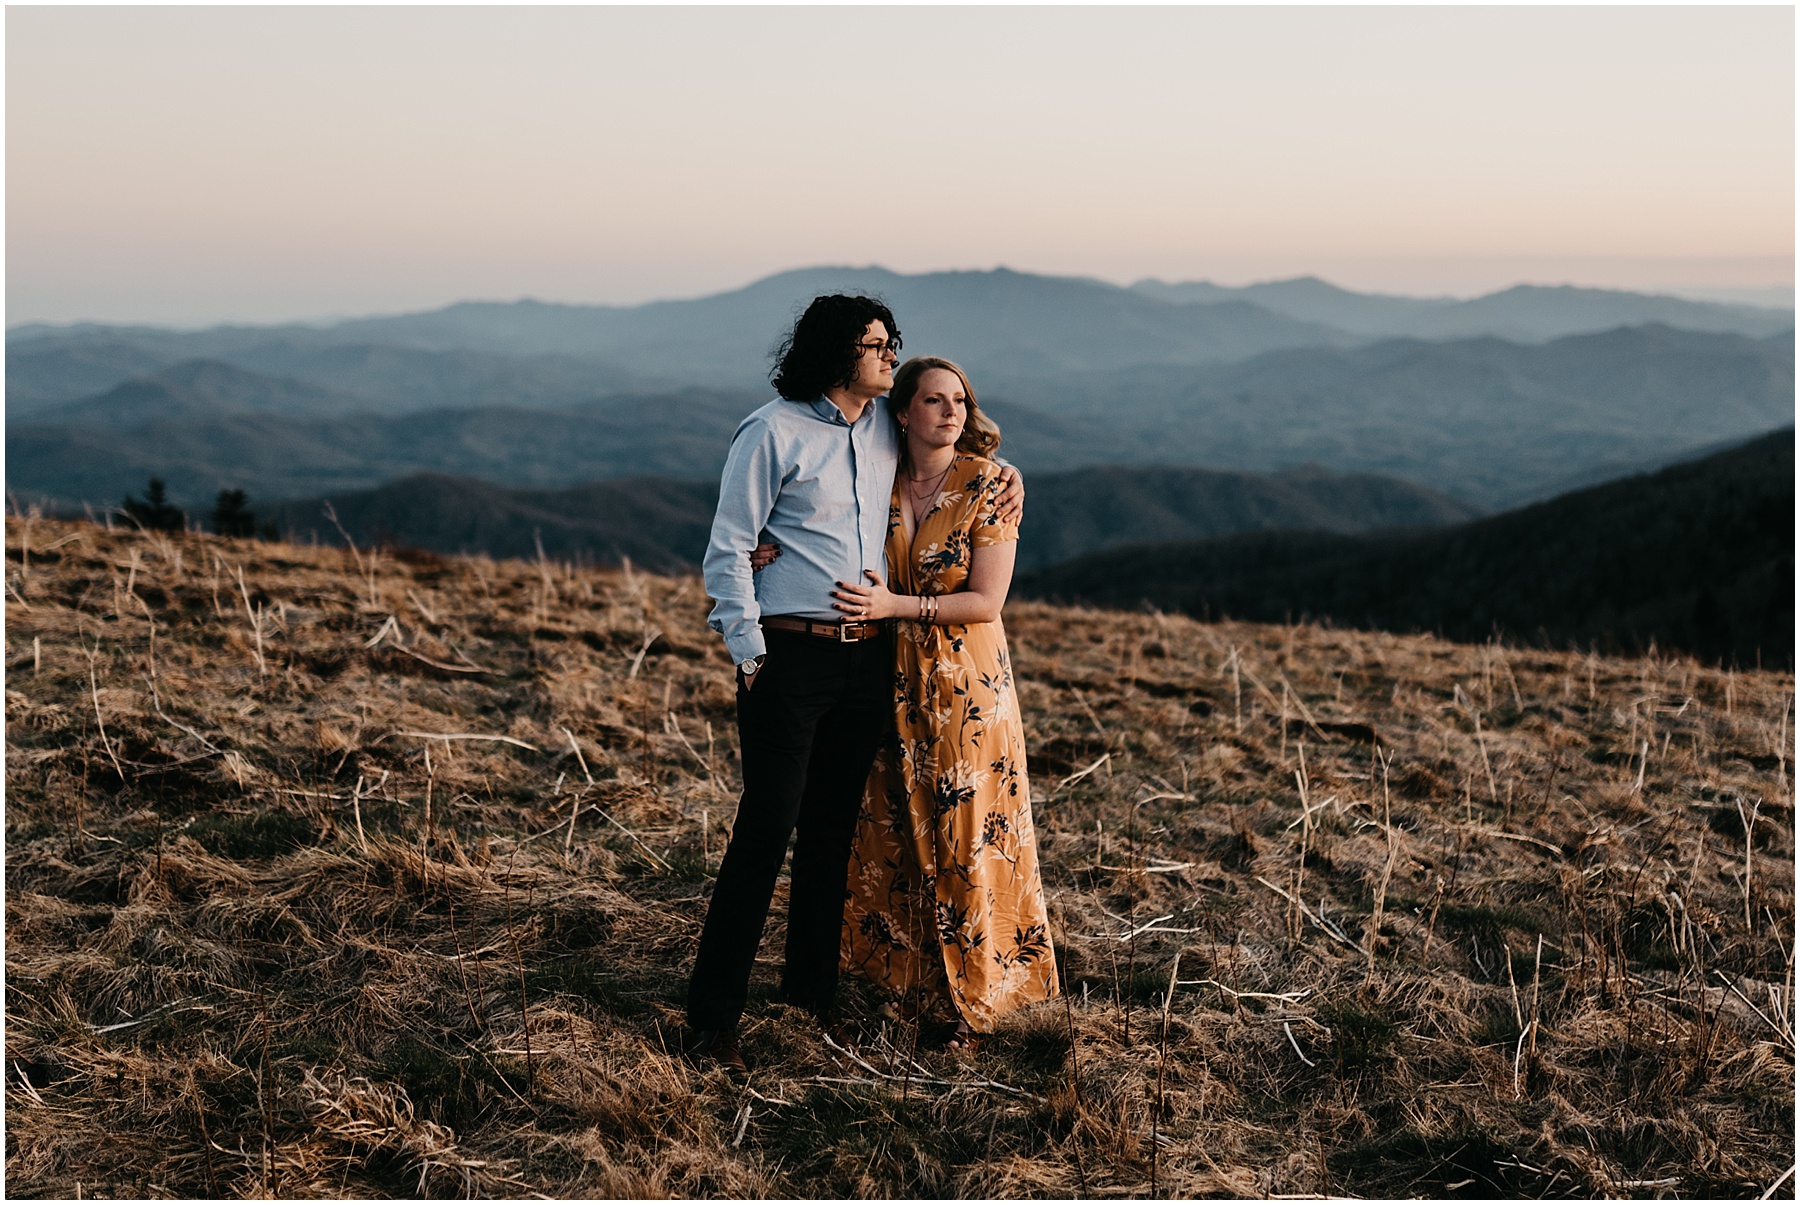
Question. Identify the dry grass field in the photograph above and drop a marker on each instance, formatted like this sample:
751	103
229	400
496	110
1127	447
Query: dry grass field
379	875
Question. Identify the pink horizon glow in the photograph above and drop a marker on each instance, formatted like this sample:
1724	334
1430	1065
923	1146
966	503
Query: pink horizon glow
186	165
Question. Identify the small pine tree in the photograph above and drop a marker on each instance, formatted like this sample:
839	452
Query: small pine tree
154	512
232	515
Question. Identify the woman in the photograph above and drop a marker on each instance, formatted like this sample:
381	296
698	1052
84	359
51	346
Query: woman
946	905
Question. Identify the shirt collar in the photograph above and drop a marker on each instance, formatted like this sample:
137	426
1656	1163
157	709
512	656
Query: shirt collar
827	412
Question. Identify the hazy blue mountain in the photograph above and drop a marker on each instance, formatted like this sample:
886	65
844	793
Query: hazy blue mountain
384	379
995	323
197	390
1699	557
1011	329
66	466
43	373
1492	422
1524	313
1000	322
1618	470
660	523
271	455
1079	372
1371	315
165	344
397	380
1531	311
663	523
200	443
1771	297
1075	513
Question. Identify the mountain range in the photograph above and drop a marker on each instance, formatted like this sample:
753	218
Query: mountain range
1069	514
272	456
1698	556
1523	313
1491	422
662	523
1474	406
46	378
1006	327
999	324
1494	422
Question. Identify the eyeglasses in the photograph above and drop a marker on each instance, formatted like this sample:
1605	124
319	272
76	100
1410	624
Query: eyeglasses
891	347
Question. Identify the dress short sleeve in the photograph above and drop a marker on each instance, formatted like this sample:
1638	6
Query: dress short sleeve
988	527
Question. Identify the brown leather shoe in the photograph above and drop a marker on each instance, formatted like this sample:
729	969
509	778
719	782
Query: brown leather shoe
715	1047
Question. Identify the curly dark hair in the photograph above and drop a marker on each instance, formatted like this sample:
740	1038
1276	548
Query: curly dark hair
821	351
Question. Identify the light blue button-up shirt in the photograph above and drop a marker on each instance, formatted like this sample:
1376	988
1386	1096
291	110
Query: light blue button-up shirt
802	476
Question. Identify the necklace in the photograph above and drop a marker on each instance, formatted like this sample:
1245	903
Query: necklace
914	497
940	476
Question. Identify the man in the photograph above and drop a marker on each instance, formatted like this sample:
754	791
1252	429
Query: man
813	472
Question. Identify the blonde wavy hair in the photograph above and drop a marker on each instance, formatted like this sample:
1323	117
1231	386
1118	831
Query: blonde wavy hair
981	435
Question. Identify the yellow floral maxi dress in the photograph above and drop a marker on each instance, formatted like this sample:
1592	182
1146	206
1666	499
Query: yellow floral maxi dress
944	894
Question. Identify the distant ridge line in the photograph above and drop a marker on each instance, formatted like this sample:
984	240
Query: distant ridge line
1698	556
1149	285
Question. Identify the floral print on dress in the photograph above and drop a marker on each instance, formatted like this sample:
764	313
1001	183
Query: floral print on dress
945	899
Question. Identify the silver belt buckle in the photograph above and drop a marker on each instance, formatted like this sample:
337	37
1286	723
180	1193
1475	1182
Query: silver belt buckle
844	636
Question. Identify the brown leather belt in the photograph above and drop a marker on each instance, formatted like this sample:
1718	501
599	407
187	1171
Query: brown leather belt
843	633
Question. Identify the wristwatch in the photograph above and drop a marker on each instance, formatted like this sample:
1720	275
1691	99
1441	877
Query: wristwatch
749	665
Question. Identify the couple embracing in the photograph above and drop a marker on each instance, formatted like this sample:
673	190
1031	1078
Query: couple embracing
860	555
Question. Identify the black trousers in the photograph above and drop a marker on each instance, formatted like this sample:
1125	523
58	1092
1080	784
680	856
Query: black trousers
809	730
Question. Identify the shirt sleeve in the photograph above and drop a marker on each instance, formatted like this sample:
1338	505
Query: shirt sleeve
988	527
747	492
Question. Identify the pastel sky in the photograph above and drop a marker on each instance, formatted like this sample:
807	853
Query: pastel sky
189	165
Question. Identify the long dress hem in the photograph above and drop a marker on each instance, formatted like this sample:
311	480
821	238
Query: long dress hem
945	899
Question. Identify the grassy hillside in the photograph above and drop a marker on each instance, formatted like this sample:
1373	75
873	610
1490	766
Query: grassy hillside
1698	557
340	876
